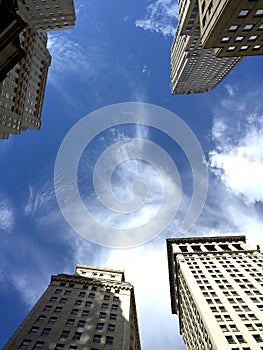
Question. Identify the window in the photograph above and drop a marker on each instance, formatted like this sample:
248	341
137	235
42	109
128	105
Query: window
82	294
81	323
59	347
104	306
256	47
65	334
46	331
93	288
85	313
108	290
41	318
111	327
74	311
109	340
257	338
248	27
63	300
231	48
88	303
78	302
70	322
52	320
73	347
232	28
38	345
67	292
243	13
240	338
25	344
114	307
259	13
47	308
91	295
253	38
100	326
106	297
96	338
230	339
71	285
115	298
58	309
102	315
53	299
62	284
34	329
113	316
77	336
58	291
239	38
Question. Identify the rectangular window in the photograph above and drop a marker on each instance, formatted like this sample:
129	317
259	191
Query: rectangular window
81	323
93	288
91	295
100	326
106	297
47	308
85	313
109	340
59	347
46	331
25	344
74	311
41	318
102	315
115	298
63	300
67	292
113	316
88	303
34	329
52	320
58	291
82	294
97	338
53	299
78	302
77	336
111	327
104	306
114	307
38	345
243	13
65	334
70	322
58	309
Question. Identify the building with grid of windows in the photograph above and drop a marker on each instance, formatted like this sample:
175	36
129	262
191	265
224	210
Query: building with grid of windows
216	287
91	310
211	39
25	59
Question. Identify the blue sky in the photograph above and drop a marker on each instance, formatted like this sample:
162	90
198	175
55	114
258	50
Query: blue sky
120	52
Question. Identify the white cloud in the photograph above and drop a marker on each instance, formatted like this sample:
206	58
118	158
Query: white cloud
161	17
7	217
238	162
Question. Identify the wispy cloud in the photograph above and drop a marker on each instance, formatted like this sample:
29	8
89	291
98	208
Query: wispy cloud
7	215
161	17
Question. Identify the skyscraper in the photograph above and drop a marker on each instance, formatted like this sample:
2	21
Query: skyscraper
211	39
23	88
216	286
92	309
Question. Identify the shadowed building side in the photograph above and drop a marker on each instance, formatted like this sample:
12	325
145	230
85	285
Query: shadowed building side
92	309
